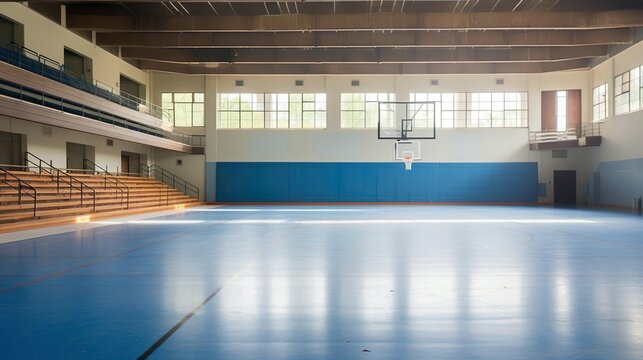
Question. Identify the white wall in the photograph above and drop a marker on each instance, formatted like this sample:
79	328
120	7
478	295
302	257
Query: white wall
576	160
622	134
192	168
161	83
50	39
450	145
362	145
334	144
54	147
562	80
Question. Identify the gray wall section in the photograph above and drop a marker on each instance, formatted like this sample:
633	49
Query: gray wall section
619	183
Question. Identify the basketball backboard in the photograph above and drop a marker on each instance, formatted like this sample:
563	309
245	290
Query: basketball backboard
403	120
407	147
407	151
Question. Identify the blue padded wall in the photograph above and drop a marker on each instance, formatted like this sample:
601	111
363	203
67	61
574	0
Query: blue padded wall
374	182
617	183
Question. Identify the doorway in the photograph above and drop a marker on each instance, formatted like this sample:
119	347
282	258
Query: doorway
11	32
131	87
565	187
130	162
76	155
78	65
11	148
124	163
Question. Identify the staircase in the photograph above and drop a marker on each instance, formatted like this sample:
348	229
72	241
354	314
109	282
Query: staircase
49	193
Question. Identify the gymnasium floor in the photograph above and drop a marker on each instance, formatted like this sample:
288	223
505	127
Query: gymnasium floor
330	282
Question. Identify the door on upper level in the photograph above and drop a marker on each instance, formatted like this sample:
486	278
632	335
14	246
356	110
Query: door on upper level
78	65
560	110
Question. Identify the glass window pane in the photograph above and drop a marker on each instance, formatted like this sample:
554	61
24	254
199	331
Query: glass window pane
166	98
182	114
183	97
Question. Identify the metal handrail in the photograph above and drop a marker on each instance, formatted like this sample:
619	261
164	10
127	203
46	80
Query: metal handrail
167	195
57	71
553	135
591	129
21	184
39	97
175	180
51	169
113	179
161	188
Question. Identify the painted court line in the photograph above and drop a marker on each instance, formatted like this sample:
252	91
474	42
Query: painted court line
447	221
359	222
178	325
187	317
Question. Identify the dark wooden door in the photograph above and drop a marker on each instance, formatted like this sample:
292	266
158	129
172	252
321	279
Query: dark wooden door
565	187
548	110
124	163
573	109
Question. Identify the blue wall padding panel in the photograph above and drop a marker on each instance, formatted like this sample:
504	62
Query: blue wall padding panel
373	182
619	182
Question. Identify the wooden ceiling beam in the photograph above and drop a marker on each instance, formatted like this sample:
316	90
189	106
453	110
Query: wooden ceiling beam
365	21
488	38
365	55
340	69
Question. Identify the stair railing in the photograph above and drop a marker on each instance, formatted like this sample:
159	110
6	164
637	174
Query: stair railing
22	185
60	177
144	171
122	189
168	178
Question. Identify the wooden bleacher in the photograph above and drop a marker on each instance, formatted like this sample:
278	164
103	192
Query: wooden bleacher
89	194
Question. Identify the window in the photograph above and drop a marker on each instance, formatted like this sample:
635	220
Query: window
628	91
183	109
599	102
561	110
308	111
272	111
454	110
460	110
479	114
360	110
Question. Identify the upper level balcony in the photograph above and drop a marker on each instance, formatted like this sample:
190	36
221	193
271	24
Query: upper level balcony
29	77
589	134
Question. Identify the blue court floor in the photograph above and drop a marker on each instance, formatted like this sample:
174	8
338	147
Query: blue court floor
330	282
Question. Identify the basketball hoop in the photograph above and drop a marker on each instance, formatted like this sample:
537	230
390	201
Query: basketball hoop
408	159
408	162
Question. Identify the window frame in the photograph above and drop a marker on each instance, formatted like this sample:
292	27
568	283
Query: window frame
456	110
600	103
561	119
169	112
628	91
364	111
272	111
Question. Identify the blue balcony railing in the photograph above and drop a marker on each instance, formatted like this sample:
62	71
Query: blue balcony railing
34	96
30	60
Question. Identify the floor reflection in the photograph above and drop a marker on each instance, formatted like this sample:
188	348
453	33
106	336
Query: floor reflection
289	285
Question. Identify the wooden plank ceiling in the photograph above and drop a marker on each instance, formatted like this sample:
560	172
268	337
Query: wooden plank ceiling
356	37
